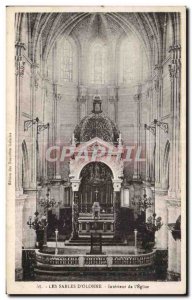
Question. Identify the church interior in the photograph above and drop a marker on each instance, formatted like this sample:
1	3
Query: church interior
98	193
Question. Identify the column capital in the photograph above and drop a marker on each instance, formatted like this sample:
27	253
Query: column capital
75	184
175	66
117	185
19	44
175	50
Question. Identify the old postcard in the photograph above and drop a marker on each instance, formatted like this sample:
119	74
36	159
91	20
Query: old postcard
96	150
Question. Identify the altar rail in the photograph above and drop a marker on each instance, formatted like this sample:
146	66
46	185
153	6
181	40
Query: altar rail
138	260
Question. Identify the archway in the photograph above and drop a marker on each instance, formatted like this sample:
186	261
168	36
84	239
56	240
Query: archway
96	186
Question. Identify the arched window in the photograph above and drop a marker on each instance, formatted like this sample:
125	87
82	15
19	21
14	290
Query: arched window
133	67
169	36
66	61
98	63
129	62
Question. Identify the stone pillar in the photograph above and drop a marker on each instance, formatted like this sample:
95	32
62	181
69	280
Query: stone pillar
157	86
19	203
57	125
137	167
116	104
45	132
33	130
175	76
75	215
29	235
116	206
19	74
174	247
147	107
161	211
115	214
75	212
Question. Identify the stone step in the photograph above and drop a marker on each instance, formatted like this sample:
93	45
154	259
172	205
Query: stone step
92	274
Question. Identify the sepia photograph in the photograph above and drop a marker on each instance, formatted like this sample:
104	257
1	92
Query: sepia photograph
96	150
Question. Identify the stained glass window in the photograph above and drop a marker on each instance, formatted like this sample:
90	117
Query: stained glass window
98	59
66	62
133	62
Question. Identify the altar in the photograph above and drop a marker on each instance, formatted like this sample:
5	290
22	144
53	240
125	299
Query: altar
96	172
103	225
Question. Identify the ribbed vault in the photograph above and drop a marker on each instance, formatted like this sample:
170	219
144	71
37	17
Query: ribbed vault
148	27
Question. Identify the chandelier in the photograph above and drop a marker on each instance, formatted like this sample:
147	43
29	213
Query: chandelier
142	203
39	223
47	203
153	223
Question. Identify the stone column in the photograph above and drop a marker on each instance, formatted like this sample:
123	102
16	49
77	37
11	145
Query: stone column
116	104
33	131
19	203
175	76
178	270
57	125
29	235
44	133
75	212
19	77
137	170
157	86
116	206
174	247
161	211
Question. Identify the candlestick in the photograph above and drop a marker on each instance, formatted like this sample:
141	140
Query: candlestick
135	232
56	235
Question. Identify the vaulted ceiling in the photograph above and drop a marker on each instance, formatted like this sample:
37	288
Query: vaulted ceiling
148	27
